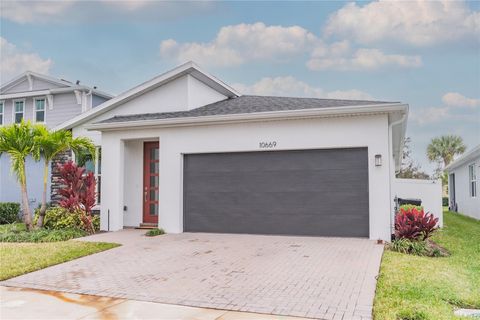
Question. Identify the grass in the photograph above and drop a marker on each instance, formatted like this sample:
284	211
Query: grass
417	288
20	258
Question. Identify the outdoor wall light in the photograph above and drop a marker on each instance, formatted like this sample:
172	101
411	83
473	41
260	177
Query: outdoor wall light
378	160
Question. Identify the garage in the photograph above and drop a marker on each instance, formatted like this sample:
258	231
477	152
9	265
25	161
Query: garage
321	192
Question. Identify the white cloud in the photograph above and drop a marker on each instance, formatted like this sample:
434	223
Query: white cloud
129	5
419	23
455	99
339	56
14	61
430	115
33	11
237	44
289	86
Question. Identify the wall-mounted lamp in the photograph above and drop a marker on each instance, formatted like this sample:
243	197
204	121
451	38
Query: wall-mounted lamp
378	160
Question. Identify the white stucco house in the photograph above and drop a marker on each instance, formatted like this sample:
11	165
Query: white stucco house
463	183
188	152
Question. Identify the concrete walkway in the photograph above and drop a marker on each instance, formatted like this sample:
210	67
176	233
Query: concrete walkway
17	303
324	278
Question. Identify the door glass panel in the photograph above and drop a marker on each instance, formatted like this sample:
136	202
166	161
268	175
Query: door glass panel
153	181
154	167
154	154
154	195
153	209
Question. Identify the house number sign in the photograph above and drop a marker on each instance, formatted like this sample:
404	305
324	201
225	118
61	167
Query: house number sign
267	144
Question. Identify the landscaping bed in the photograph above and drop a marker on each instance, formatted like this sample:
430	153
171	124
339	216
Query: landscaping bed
414	287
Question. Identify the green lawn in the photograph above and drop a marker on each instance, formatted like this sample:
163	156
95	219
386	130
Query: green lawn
412	287
20	258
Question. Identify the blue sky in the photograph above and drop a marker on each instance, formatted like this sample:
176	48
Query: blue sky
423	53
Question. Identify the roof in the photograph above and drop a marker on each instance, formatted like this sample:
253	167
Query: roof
190	68
247	104
65	85
466	158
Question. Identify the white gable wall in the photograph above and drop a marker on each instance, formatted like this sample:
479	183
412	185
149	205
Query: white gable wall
199	94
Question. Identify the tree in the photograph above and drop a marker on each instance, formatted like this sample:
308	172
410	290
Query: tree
17	140
48	144
410	169
444	149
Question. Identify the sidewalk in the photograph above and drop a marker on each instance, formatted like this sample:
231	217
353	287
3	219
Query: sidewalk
19	303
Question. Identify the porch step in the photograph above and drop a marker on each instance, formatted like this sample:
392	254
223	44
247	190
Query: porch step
147	226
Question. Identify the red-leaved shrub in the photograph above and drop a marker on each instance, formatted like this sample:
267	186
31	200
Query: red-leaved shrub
78	192
414	224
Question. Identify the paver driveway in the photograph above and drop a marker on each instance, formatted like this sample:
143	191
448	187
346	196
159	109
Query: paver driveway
326	278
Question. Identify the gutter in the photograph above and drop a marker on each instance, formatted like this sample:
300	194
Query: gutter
258	116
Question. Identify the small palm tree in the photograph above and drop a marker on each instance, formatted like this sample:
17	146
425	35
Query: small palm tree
445	148
17	140
48	144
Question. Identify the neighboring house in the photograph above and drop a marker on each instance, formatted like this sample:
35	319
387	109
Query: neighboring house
40	99
463	183
189	153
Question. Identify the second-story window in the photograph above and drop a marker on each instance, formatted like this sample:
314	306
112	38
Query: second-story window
39	112
19	109
1	113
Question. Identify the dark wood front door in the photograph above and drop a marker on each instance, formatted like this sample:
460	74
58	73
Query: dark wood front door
150	182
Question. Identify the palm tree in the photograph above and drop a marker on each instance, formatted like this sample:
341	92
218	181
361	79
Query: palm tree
17	140
444	149
48	144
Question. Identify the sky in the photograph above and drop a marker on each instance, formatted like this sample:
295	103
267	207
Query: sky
424	53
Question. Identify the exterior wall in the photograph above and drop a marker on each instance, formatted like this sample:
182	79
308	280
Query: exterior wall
466	204
371	132
199	94
133	174
38	84
429	191
10	188
97	100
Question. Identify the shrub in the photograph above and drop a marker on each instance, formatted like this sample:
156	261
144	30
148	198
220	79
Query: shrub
408	246
445	201
154	232
58	218
42	235
9	212
414	224
410	207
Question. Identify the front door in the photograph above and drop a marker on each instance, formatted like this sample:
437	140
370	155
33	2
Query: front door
150	182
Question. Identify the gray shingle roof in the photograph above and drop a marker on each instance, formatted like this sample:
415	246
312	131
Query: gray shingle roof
246	104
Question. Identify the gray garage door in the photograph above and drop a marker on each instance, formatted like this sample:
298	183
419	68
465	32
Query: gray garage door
304	192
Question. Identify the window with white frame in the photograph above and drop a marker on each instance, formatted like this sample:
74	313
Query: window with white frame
95	166
39	110
18	111
472	179
1	113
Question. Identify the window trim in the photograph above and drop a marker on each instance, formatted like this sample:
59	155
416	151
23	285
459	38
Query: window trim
2	102
14	111
35	99
472	179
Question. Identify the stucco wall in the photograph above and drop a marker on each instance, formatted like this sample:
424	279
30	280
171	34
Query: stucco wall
368	131
429	191
466	204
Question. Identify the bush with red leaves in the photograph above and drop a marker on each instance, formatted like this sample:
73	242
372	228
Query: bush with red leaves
78	192
414	224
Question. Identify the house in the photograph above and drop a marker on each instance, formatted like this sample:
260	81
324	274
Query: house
40	99
187	152
463	183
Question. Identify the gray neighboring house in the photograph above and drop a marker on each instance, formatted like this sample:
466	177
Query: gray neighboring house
463	183
40	99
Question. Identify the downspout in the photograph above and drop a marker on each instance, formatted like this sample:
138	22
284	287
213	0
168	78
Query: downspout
392	174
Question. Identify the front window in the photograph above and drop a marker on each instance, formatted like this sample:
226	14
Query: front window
95	166
39	110
19	108
472	175
1	113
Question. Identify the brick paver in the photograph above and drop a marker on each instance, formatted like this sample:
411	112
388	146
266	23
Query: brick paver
324	278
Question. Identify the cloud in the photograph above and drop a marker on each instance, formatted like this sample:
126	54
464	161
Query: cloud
339	56
419	23
33	11
290	86
237	44
14	61
454	99
456	108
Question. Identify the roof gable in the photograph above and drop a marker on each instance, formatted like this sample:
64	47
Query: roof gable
31	81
